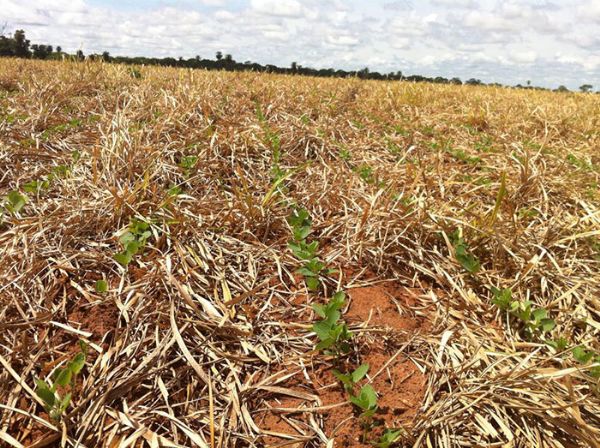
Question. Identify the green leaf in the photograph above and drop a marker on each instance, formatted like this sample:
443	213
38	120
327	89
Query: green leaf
16	201
126	238
312	283
123	258
43	391
369	396
322	329
64	377
338	300
64	403
559	344
101	286
324	344
359	373
547	325
502	298
345	379
582	355
319	309
77	363
174	191
539	314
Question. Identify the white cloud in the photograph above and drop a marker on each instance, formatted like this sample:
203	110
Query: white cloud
284	8
511	41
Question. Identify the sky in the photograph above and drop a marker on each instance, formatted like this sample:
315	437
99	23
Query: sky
547	42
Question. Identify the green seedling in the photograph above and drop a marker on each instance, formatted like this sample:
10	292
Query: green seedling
15	202
535	321
366	401
36	186
344	154
101	286
59	171
55	403
459	154
174	190
133	240
187	163
349	380
584	356
313	268
560	344
461	251
333	334
300	222
388	439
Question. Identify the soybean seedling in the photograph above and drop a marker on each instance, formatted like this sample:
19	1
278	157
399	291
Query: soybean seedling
535	321
584	356
389	438
461	251
56	404
332	333
366	401
349	380
313	268
15	201
133	241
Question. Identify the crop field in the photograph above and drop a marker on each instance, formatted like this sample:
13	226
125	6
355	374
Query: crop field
213	259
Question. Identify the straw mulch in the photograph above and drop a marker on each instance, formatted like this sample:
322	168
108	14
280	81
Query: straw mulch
205	339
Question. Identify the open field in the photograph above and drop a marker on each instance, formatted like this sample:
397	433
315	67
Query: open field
146	213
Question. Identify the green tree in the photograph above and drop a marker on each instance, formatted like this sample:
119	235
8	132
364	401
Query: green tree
21	44
586	88
219	55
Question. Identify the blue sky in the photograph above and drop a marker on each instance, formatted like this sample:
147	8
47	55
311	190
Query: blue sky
545	41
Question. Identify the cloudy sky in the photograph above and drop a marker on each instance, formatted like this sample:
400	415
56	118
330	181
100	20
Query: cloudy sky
549	42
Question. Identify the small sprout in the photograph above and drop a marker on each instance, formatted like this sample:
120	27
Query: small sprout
389	437
36	186
349	380
187	163
313	268
133	241
76	156
332	333
582	355
344	154
55	404
461	251
174	191
560	344
16	201
101	286
502	298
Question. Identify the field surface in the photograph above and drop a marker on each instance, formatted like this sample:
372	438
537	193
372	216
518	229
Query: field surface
158	261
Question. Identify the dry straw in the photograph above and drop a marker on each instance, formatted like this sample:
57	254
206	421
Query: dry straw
189	343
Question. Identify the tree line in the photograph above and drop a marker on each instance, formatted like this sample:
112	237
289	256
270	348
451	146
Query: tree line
19	46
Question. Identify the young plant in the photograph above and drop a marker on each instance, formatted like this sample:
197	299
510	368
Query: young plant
15	202
187	163
349	380
388	439
534	321
584	356
461	251
55	403
133	241
101	286
313	268
333	334
366	401
36	186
